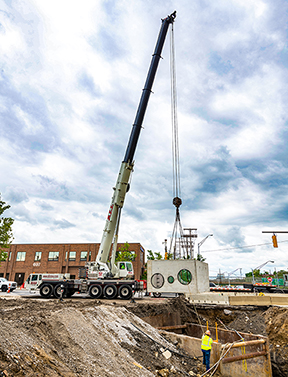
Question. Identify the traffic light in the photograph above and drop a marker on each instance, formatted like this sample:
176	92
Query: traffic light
274	240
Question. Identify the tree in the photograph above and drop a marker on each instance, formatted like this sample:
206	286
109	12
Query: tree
6	235
124	254
152	256
200	258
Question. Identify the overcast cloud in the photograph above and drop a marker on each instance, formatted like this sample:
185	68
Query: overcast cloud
71	78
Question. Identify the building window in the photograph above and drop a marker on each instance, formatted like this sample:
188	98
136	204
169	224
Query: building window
72	255
142	257
53	255
133	255
89	256
10	255
83	255
38	256
21	255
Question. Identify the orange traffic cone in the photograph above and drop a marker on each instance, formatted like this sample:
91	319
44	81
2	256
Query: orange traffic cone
8	289
22	286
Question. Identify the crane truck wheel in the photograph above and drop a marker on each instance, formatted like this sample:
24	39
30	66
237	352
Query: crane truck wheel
46	290
125	292
157	294
95	291
110	291
57	291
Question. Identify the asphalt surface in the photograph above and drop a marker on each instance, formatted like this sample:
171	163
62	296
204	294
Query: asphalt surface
35	294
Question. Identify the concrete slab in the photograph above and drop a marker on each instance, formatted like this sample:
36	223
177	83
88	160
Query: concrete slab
239	298
178	276
209	298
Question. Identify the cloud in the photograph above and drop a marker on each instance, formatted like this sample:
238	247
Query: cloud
70	87
62	224
15	195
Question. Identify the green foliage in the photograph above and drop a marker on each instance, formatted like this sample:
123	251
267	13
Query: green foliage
144	275
169	255
152	256
123	254
200	258
158	255
6	235
256	273
3	256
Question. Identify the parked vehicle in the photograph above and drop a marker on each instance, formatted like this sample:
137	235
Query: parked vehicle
6	285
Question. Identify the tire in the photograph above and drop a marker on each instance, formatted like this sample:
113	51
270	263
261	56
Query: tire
4	288
95	291
57	291
110	291
156	294
46	290
125	292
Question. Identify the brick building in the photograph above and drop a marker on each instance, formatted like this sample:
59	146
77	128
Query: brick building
24	259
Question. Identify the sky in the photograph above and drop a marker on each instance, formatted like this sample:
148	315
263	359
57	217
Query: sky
71	76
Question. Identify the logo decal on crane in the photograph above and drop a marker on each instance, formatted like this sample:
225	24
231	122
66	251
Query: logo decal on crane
110	212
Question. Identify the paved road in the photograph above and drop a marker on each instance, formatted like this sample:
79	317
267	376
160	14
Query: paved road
35	294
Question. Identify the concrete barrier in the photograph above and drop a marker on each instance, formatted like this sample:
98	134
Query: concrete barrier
236	298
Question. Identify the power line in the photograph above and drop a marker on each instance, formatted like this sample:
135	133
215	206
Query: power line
242	247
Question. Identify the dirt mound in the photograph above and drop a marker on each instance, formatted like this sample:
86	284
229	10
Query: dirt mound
99	338
82	338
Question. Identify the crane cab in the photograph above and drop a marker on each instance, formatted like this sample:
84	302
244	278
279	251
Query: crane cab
125	270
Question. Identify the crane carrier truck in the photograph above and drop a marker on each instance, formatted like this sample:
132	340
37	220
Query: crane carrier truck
103	277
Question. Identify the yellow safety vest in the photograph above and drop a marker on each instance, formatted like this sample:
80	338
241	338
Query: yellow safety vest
206	343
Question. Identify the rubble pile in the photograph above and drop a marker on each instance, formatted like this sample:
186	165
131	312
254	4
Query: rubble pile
83	338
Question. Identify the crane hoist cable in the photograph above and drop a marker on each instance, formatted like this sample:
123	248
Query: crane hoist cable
177	229
174	120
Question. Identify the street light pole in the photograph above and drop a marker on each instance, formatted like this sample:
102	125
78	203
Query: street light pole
258	268
201	243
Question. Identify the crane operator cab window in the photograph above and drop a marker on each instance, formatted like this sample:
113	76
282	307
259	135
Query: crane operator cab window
126	269
129	266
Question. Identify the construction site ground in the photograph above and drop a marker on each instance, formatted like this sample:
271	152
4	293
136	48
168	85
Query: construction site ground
86	337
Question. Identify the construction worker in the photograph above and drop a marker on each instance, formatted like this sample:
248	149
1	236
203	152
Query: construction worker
206	348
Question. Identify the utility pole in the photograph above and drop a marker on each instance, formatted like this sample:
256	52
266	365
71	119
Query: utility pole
165	248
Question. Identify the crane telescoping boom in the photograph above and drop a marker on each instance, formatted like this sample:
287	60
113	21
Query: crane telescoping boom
110	233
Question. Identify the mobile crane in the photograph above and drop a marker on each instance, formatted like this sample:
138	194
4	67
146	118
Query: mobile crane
102	275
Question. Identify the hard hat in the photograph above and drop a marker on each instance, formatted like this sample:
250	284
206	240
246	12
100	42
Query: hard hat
208	332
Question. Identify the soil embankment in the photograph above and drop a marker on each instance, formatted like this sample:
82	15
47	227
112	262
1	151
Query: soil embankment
83	338
98	338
